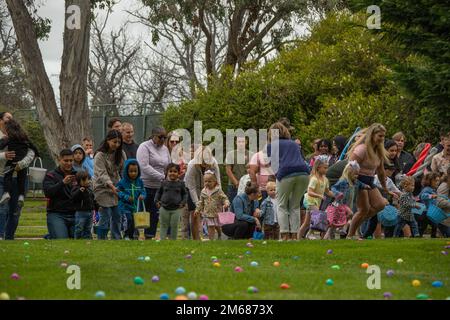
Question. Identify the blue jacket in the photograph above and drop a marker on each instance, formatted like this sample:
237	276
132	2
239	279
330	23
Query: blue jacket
243	208
425	194
88	163
267	212
128	188
290	159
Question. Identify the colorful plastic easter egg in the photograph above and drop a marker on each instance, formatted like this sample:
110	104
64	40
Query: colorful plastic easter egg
164	296
254	264
147	258
238	269
329	282
444	253
252	289
276	264
364	265
335	267
295	257
4	296
26	243
63	265
66	252
216	264
180	290
264	242
141	258
422	296
387	295
188	256
415	283
249	244
390	273
203	297
192	296
155	279
180	270
100	294
248	252
329	251
15	276
138	280
213	258
284	286
399	260
437	284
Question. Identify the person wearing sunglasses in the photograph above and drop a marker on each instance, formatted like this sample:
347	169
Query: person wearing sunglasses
153	157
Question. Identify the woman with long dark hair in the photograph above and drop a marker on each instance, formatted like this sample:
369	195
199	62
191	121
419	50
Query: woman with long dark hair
108	163
10	210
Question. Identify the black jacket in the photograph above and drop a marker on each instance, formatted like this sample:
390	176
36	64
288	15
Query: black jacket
171	194
84	201
59	195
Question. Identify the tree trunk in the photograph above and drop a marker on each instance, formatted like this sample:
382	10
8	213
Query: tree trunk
73	78
60	131
41	88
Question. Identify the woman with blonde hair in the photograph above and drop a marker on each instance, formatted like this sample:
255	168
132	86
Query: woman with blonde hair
370	154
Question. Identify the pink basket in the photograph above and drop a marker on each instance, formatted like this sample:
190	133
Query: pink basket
336	215
226	217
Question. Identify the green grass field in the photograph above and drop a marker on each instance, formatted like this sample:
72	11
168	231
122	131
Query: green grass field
111	266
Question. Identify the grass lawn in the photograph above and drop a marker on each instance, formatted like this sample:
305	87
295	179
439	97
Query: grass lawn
111	266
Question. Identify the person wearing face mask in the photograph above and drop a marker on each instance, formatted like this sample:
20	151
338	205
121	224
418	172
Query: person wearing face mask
153	157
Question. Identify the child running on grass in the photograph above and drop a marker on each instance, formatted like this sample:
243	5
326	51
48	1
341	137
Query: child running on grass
131	192
317	188
212	201
407	203
170	199
344	191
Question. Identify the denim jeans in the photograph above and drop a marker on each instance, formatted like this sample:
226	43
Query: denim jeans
150	206
109	219
60	225
412	224
10	211
83	224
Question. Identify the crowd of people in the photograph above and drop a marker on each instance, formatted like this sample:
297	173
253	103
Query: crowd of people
303	197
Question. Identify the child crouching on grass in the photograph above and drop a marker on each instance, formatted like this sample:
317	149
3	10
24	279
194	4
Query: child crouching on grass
170	199
269	211
212	201
131	192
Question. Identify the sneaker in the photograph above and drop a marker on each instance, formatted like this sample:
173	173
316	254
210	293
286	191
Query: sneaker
5	197
21	201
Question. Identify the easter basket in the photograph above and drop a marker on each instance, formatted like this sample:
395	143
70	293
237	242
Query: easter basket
226	217
258	235
436	214
37	174
141	218
319	220
336	214
388	217
419	211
